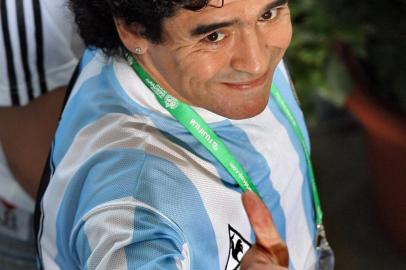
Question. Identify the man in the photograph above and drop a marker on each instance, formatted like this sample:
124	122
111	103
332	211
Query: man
131	187
38	54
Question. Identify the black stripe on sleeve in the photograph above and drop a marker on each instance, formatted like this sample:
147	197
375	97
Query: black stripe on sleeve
22	32
15	99
40	45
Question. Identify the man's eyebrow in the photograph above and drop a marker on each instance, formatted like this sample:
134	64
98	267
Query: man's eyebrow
275	4
207	28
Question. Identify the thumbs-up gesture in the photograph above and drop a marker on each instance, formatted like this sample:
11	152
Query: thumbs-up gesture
269	251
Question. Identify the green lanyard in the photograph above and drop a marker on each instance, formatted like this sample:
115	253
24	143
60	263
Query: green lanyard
276	94
206	136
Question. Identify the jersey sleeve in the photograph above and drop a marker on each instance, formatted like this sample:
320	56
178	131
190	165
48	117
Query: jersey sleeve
39	48
128	234
62	43
284	82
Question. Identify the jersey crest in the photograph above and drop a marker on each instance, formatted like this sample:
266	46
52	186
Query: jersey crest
238	247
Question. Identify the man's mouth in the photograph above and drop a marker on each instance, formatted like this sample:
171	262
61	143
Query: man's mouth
248	84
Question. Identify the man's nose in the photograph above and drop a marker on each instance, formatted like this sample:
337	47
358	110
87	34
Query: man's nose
250	54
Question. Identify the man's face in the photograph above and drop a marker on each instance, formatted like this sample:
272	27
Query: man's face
222	59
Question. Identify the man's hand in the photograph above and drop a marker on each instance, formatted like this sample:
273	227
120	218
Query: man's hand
269	251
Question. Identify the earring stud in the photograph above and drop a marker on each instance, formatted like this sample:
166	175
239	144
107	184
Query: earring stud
138	50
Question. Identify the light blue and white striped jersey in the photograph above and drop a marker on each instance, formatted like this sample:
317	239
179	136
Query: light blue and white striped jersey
132	189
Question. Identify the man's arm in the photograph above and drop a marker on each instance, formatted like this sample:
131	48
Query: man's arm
127	234
26	134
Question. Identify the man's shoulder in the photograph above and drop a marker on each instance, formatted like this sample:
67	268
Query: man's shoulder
286	75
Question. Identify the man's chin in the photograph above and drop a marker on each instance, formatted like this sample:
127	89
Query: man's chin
243	112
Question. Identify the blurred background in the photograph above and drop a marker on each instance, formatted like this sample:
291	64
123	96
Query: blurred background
348	63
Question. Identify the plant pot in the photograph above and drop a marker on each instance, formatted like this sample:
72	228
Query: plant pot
385	134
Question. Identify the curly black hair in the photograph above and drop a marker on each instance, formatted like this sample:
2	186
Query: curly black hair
96	23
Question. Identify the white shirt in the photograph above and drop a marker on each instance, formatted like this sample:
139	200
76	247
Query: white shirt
26	60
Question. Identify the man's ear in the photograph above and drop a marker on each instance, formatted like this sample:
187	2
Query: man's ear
131	37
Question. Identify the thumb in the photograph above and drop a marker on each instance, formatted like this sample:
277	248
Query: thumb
267	237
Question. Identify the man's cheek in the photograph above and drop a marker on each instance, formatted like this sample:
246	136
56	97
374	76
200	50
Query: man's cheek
204	73
282	36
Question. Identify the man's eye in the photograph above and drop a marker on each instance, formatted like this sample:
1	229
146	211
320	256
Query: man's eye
269	15
215	37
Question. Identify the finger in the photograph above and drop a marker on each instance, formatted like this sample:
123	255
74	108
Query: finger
260	219
267	237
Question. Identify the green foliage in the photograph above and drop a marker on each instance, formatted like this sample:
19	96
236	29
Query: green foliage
384	45
375	31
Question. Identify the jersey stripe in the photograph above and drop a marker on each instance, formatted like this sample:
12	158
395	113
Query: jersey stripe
39	39
9	55
303	215
24	47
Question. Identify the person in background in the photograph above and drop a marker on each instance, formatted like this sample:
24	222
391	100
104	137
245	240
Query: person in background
39	50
